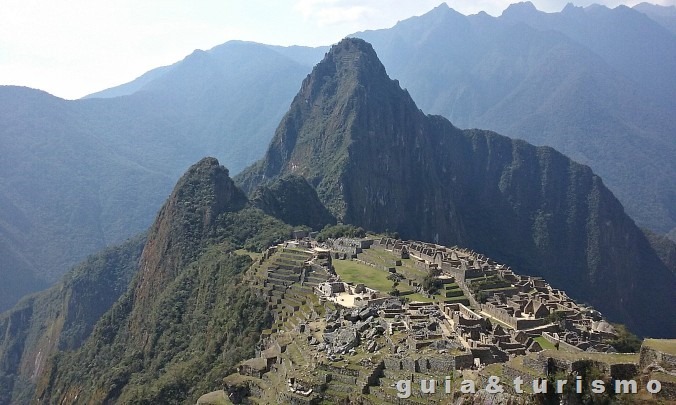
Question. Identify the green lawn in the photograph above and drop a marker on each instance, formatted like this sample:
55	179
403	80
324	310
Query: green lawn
354	272
663	345
420	298
544	343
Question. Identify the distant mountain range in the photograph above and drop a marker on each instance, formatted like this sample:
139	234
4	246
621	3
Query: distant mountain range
77	176
163	317
595	83
663	15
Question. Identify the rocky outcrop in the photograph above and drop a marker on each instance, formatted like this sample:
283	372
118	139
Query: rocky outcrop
294	201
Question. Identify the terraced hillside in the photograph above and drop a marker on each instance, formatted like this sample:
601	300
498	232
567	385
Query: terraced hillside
286	277
327	347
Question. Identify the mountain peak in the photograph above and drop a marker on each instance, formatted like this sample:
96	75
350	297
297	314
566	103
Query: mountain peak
186	221
523	9
339	104
351	58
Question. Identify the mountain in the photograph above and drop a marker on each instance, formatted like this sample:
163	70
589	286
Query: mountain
664	247
64	191
77	176
187	317
162	318
293	200
168	306
564	75
628	40
595	83
379	162
61	318
81	175
663	15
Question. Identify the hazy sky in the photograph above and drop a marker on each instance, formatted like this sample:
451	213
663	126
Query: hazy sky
71	48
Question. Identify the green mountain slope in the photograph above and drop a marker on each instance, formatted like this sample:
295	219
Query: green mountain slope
186	318
294	201
61	318
378	162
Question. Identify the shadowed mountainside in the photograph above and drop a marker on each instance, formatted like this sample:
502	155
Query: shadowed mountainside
378	162
594	83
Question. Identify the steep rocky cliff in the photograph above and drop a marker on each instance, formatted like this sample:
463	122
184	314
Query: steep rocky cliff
379	162
186	318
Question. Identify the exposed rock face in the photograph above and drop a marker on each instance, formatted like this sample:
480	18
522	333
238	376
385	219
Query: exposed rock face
342	340
378	162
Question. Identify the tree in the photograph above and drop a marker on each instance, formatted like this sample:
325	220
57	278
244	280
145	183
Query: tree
626	342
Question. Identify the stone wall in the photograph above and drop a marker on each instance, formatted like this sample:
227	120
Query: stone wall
345	379
510	373
624	371
518	324
530	323
537	363
649	355
668	391
441	363
375	374
289	398
563	344
483	354
338	370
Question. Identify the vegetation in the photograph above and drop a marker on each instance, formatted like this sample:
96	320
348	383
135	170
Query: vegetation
252	229
188	317
69	311
354	272
201	325
431	282
544	343
341	231
666	346
664	247
292	200
555	317
626	342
